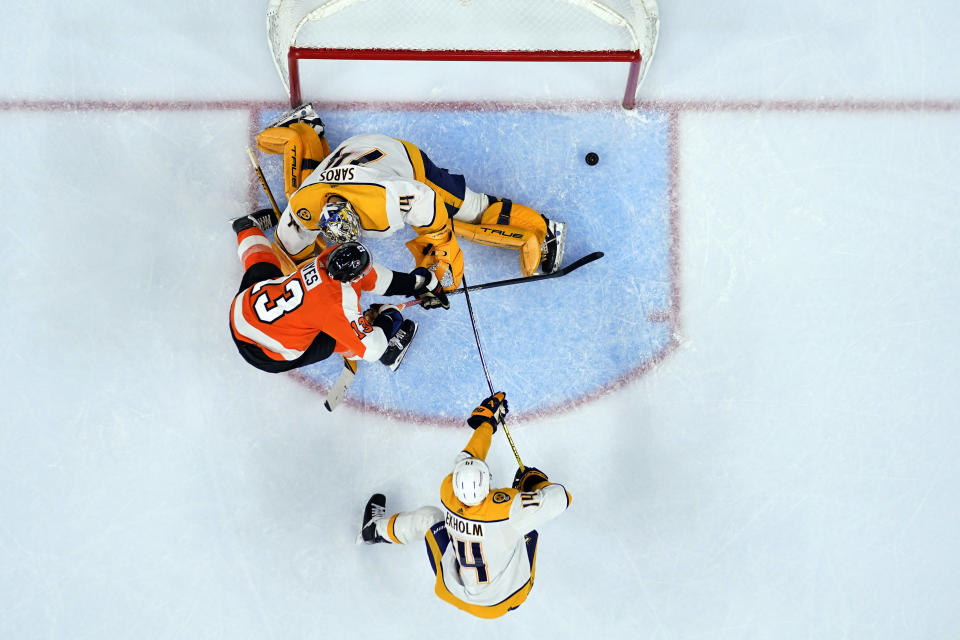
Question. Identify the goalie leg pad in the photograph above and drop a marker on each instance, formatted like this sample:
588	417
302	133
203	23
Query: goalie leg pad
439	252
316	147
507	212
302	151
550	235
505	236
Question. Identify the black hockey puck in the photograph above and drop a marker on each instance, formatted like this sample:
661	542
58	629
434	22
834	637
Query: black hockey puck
591	158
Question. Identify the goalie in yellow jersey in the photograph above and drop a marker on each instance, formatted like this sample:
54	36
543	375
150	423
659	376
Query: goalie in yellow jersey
482	545
374	185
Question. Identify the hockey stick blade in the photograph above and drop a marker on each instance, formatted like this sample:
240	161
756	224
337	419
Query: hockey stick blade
576	264
339	389
573	266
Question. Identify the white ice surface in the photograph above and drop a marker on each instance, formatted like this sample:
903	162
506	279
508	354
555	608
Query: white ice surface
788	472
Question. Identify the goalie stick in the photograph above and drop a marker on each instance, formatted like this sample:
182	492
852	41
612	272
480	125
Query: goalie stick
263	181
339	389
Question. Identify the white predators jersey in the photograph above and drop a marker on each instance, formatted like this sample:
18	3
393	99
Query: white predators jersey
488	551
484	556
376	174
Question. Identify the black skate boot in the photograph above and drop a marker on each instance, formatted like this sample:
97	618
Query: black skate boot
376	509
551	251
304	113
262	219
398	345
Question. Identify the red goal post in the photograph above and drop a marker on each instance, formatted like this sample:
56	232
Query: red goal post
464	30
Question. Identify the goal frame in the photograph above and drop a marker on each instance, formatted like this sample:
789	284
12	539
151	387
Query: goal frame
296	54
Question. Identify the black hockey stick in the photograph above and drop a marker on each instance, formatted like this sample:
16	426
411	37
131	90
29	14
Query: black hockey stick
573	266
483	361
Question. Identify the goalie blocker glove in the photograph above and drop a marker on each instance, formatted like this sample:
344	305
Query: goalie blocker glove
491	411
529	478
428	289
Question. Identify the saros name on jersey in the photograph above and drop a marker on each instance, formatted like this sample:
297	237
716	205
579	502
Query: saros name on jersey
339	174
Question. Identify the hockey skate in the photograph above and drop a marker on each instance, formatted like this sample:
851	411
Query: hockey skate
304	113
376	509
552	249
263	219
398	345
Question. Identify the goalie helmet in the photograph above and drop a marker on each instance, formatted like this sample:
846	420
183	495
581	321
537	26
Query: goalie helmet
348	262
471	481
339	223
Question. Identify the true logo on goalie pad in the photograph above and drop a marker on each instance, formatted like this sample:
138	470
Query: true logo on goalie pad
501	232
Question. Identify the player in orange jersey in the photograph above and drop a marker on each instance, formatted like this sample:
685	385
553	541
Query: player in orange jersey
482	545
282	322
372	184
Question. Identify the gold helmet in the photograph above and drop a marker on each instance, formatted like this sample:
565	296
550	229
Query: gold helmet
339	223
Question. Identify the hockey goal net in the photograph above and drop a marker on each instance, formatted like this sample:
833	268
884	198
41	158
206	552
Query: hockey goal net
463	30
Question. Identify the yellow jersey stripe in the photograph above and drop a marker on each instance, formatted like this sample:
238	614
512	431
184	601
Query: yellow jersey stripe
390	530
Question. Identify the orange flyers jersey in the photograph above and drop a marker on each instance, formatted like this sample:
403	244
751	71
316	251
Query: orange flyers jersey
376	175
284	315
487	546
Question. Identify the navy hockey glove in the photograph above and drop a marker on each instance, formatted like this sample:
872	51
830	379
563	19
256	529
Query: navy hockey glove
527	478
388	319
428	289
491	411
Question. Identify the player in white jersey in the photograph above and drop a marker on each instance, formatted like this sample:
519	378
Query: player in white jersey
482	545
372	184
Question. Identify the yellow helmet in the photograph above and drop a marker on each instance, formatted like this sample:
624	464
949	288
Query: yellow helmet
339	223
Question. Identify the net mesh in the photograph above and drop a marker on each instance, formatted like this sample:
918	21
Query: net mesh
455	25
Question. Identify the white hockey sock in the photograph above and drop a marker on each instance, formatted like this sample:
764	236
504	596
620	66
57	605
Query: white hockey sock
410	526
474	204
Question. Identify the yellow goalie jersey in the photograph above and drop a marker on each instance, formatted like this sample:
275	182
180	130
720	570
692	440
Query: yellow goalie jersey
377	175
487	553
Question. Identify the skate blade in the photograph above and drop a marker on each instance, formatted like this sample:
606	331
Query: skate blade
293	115
557	236
396	363
560	233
